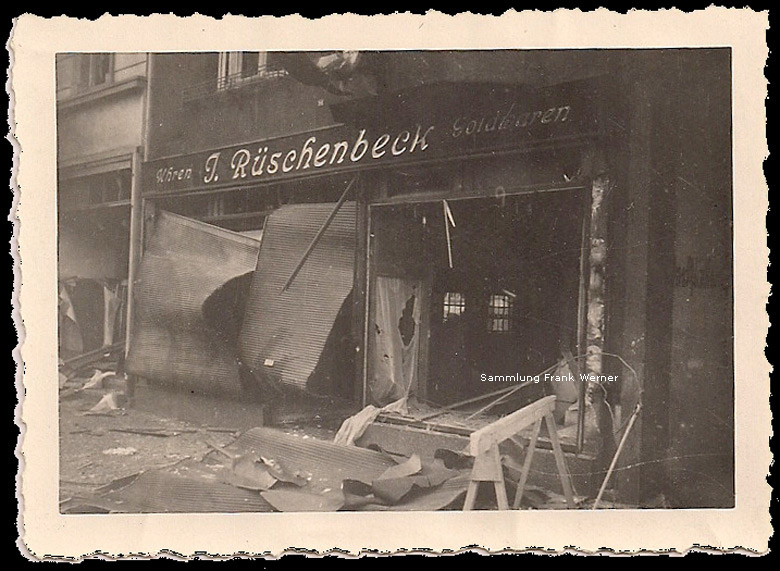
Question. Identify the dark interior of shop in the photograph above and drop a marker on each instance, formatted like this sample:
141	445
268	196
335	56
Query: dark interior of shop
491	310
93	270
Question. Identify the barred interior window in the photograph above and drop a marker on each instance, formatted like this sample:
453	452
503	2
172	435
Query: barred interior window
454	305
500	313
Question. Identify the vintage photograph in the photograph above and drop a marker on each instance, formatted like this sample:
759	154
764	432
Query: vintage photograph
369	285
395	280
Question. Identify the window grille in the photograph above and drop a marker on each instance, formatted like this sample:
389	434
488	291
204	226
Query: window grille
500	313
454	305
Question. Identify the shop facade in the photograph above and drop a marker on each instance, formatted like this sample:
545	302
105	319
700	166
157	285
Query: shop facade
100	116
441	238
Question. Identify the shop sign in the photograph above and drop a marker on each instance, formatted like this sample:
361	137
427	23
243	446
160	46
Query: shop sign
512	125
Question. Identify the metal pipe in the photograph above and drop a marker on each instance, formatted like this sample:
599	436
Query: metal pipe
436	195
135	249
366	310
617	454
447	233
320	233
453	406
134	255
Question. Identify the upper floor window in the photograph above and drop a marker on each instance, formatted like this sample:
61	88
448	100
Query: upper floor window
95	69
236	68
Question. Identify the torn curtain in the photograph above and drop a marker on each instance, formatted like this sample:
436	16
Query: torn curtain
71	342
113	302
396	338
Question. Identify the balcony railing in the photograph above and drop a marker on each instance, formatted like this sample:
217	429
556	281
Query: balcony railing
234	81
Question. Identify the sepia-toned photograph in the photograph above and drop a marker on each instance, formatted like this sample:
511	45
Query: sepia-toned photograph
297	281
394	280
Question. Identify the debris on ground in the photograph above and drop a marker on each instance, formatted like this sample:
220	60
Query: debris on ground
120	451
399	481
354	427
123	460
110	403
96	380
538	498
83	438
159	432
267	469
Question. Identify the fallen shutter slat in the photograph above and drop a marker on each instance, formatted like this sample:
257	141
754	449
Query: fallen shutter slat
186	262
290	329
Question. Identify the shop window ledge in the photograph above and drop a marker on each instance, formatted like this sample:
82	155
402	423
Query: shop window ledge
96	206
234	216
543	442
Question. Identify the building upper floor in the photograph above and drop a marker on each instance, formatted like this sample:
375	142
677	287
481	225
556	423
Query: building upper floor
101	102
208	100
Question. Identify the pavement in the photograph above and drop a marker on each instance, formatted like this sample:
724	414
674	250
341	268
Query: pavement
104	436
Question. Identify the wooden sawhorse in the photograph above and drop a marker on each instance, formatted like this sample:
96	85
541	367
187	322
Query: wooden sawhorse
483	446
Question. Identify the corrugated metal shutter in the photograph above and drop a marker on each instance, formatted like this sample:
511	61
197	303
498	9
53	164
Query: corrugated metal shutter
283	334
185	263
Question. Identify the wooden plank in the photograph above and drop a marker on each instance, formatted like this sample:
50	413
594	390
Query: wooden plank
487	468
487	461
501	499
413	423
471	496
499	485
503	428
560	460
529	455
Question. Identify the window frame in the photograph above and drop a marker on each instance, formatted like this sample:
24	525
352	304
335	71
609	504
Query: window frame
231	72
87	71
500	313
452	299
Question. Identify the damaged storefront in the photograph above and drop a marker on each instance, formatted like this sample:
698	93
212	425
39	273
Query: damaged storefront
214	314
100	106
485	276
93	228
439	253
438	261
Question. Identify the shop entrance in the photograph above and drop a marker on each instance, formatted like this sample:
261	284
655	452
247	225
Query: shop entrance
471	295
